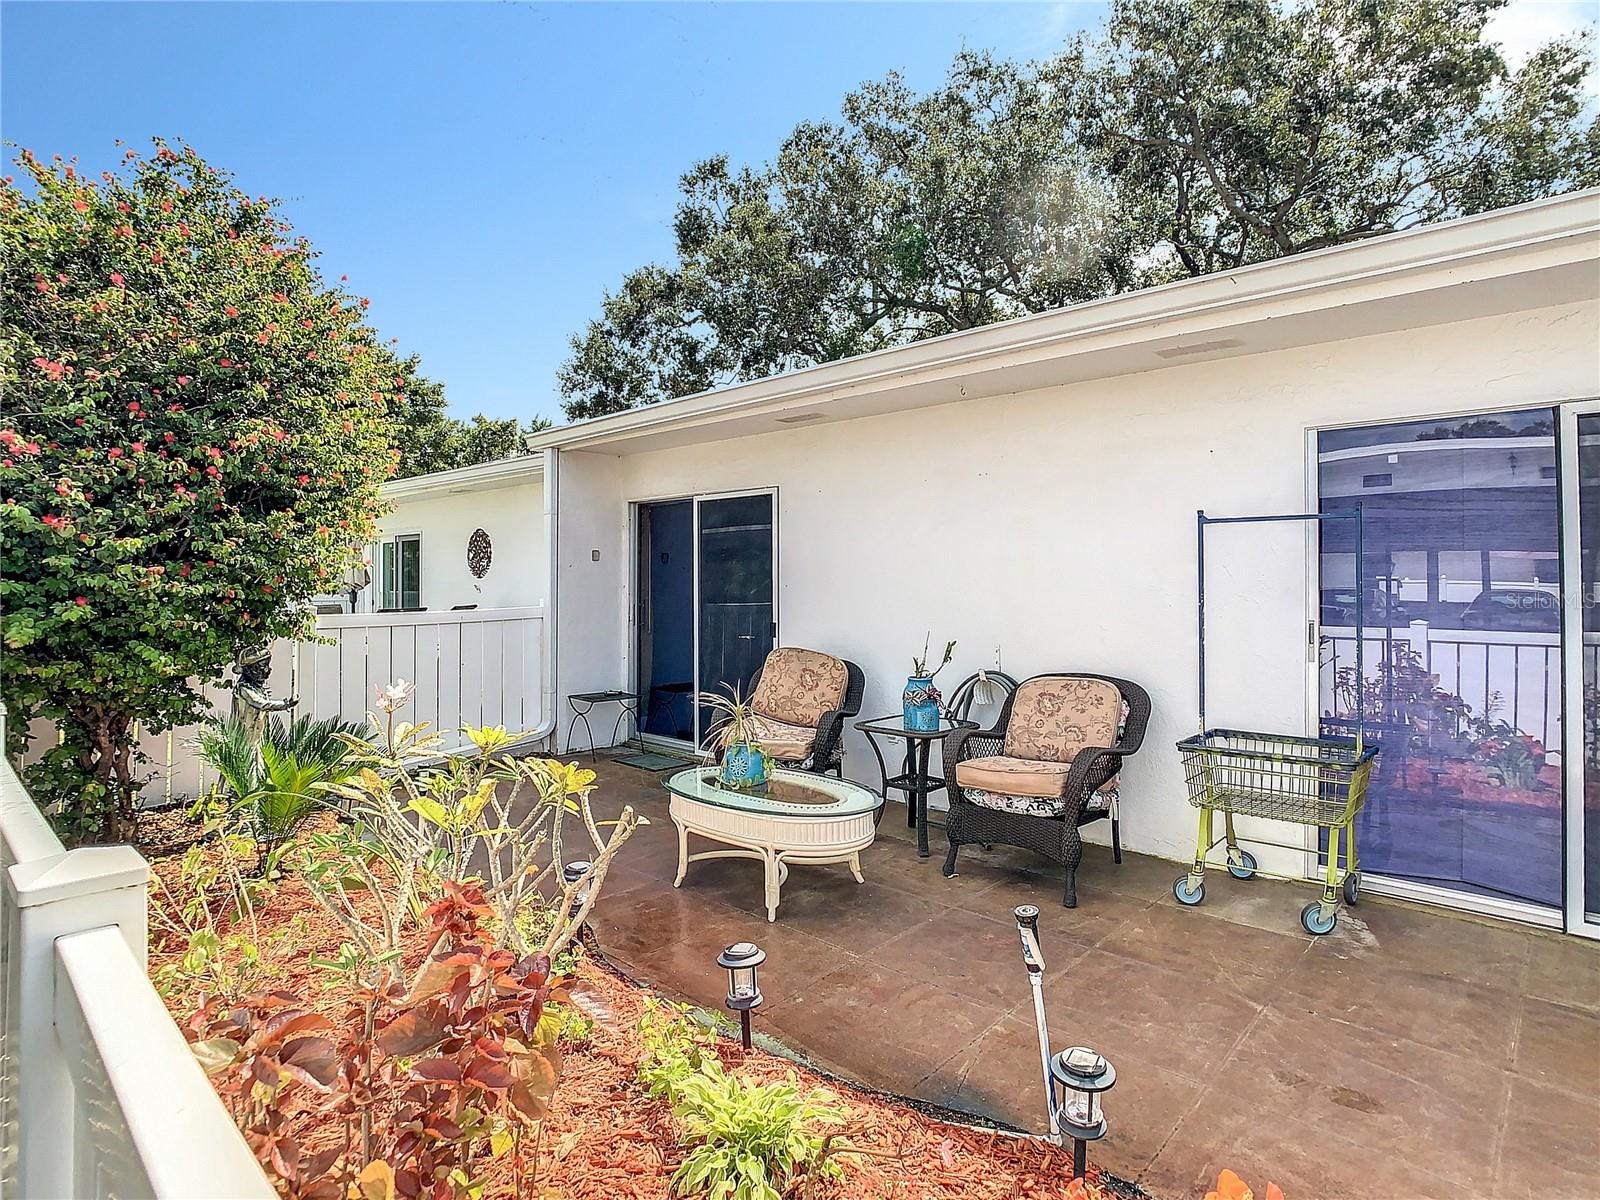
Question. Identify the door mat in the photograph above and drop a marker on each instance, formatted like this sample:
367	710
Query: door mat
649	761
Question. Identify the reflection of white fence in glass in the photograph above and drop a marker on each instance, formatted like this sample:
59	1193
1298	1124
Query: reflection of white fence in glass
479	667
1515	677
99	1093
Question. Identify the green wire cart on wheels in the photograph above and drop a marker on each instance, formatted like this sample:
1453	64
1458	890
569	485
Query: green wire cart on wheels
1318	781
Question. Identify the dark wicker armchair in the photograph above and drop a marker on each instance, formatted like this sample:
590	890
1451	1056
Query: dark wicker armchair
1049	766
801	700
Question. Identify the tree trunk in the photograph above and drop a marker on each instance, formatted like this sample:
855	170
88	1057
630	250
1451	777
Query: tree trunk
107	755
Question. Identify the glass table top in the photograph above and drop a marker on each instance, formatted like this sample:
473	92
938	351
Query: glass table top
786	793
894	725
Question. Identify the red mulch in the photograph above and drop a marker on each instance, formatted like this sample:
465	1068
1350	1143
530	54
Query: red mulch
603	1139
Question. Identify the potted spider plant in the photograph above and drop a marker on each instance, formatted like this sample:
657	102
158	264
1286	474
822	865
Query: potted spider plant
921	699
744	763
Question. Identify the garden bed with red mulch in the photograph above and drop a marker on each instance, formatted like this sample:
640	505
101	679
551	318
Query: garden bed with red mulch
605	1139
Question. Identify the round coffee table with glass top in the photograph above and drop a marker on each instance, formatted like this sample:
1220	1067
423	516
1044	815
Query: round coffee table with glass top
795	817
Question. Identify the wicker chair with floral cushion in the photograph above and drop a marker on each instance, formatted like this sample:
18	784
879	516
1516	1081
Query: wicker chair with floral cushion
1049	765
801	700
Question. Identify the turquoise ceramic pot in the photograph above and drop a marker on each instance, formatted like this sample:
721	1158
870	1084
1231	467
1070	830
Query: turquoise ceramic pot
744	766
921	706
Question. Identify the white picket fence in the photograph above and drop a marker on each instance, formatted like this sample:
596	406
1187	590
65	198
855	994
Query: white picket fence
99	1093
480	667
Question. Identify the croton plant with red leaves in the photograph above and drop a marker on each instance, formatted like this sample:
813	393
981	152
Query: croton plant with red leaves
427	1082
195	431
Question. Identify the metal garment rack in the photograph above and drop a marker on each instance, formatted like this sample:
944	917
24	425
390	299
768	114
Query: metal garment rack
1349	514
1314	780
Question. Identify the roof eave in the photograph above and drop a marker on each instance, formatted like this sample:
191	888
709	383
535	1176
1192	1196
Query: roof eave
1391	256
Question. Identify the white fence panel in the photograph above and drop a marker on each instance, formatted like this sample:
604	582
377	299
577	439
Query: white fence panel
99	1093
479	667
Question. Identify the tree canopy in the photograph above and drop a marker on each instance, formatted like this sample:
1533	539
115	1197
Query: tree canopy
196	430
429	439
1185	136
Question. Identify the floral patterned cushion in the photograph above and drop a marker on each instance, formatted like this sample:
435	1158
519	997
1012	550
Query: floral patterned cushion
1103	800
798	686
784	742
1055	716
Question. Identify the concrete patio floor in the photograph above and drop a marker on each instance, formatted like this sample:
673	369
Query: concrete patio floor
1413	1053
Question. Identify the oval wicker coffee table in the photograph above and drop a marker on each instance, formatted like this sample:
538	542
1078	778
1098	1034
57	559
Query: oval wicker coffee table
795	817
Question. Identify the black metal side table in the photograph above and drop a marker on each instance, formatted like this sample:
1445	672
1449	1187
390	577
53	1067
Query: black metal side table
583	704
914	779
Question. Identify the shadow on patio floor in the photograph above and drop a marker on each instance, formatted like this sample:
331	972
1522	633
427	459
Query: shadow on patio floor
1413	1053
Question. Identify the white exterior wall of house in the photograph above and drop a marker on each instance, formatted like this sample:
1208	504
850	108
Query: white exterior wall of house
445	511
1059	525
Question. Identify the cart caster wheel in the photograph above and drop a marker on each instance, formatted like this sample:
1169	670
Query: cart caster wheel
1352	888
1316	920
1245	867
1188	891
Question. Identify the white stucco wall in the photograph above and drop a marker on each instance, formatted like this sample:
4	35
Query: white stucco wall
1059	524
512	516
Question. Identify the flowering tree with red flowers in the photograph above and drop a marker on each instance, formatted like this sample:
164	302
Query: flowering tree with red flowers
195	432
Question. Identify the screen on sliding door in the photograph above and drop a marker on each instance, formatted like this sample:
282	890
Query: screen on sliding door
736	612
1589	575
1459	585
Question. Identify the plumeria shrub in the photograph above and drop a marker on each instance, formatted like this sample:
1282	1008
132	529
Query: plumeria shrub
446	882
423	818
196	428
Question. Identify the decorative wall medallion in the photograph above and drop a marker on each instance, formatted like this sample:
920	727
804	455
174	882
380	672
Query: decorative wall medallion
480	553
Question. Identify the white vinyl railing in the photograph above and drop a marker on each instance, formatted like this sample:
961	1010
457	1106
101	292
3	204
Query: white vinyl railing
100	1095
1516	675
479	667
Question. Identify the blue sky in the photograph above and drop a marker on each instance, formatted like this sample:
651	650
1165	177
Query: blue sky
481	171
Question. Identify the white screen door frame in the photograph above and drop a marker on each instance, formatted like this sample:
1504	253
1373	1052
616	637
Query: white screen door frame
1572	649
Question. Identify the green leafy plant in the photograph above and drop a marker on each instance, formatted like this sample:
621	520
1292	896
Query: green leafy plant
271	788
196	432
211	908
677	1045
919	665
1511	758
752	1141
735	722
749	1141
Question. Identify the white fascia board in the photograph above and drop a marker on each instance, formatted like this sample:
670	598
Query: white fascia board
1393	264
501	472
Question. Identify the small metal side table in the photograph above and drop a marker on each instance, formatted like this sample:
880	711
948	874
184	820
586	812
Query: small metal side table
914	779
583	704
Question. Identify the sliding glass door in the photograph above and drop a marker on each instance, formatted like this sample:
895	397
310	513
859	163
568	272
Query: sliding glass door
735	597
705	604
1580	475
1460	582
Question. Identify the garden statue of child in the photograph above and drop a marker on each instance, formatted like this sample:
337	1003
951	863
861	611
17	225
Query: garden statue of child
252	694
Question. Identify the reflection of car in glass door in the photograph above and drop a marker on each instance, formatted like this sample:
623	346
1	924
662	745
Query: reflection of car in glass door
1514	610
1377	607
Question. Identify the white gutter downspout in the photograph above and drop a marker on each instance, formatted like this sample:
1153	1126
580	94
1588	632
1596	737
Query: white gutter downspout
552	527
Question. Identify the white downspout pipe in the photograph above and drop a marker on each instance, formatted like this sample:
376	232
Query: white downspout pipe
552	534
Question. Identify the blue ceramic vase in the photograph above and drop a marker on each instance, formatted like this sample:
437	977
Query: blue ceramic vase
744	766
921	704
